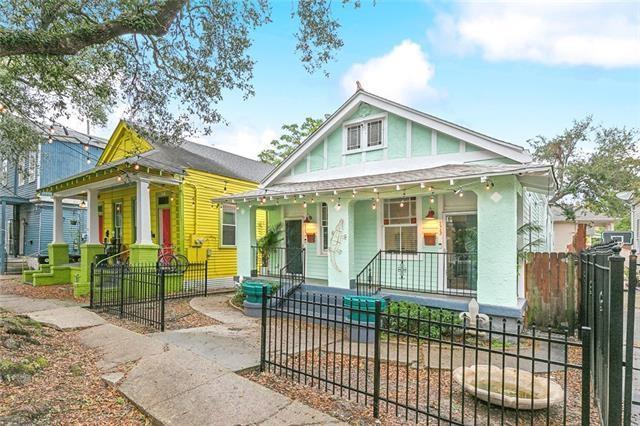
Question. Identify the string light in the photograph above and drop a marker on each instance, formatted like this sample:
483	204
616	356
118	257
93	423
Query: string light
373	205
317	194
430	188
397	187
488	185
375	189
338	206
304	204
88	160
335	192
354	191
402	201
432	199
136	166
119	178
86	147
50	139
421	185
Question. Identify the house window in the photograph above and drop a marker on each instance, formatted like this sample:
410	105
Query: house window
400	225
5	173
228	225
374	133
353	137
324	227
28	167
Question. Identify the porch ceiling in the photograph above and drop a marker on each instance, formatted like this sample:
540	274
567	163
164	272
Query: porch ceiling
78	191
413	177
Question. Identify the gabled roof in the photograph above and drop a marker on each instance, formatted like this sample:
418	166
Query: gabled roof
508	150
582	215
191	155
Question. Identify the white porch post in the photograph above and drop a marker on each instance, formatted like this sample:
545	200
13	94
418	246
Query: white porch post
245	238
92	217
341	244
58	222
143	213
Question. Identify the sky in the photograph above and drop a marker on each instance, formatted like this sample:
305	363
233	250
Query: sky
510	70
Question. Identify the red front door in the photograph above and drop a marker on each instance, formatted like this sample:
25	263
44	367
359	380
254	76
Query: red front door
165	228
101	228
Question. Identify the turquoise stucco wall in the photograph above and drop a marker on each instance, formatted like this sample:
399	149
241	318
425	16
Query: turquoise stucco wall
397	137
365	233
497	242
316	261
317	158
334	148
420	140
447	144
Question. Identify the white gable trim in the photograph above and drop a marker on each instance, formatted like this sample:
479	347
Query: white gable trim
504	149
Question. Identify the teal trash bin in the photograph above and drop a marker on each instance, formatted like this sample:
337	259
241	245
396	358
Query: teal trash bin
253	291
362	308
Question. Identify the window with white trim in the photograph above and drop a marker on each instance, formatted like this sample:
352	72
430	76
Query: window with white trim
374	133
353	137
400	227
228	224
364	135
4	173
28	168
324	227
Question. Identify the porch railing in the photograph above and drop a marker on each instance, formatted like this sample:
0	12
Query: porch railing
291	277
420	272
269	263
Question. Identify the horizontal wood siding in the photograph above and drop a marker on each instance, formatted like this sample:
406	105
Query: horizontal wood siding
365	234
63	159
202	219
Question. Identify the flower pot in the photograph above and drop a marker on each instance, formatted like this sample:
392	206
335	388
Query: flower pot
253	290
362	308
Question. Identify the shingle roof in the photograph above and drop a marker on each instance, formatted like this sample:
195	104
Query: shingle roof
191	155
440	173
582	215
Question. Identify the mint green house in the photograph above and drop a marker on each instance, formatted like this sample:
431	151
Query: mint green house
386	199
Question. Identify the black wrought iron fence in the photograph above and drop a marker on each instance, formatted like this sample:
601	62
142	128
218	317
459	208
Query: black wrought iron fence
139	292
420	272
602	310
427	365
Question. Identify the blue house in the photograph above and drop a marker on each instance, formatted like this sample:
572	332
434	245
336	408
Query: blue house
27	218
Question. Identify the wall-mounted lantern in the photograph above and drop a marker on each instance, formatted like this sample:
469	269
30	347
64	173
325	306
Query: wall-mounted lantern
430	228
310	229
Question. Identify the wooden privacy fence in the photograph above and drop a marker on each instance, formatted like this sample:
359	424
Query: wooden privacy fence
552	290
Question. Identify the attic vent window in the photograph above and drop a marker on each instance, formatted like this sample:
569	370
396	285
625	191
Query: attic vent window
163	200
374	133
353	137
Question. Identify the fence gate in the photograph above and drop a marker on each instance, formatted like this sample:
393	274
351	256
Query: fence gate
139	292
602	275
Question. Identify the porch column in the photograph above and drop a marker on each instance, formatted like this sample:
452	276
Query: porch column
143	250
58	221
58	250
92	217
245	239
341	269
92	247
498	243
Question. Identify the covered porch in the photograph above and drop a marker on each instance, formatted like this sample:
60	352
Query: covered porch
130	215
450	237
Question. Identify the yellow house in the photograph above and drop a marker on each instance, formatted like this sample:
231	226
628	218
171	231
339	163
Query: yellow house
143	198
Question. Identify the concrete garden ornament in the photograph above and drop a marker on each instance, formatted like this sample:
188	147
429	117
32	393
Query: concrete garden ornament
473	315
522	390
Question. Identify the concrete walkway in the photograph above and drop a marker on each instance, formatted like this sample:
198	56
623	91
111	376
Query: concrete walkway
180	377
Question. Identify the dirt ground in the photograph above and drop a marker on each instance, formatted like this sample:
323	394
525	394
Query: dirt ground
47	377
13	285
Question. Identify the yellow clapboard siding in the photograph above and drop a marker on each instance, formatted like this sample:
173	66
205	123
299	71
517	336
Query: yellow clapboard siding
202	219
123	143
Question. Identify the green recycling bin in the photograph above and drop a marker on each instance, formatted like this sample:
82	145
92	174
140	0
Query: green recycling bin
362	308
253	290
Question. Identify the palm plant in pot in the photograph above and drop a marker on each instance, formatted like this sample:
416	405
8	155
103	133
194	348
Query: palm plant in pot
267	245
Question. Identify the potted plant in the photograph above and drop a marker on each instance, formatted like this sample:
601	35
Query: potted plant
269	242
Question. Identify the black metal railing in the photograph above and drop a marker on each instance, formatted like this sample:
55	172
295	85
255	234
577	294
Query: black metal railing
291	278
419	364
602	310
139	292
421	272
269	263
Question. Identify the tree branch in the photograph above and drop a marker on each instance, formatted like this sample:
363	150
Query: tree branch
49	42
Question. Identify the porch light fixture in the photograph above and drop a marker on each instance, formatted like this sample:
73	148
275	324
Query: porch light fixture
430	228
459	192
338	206
310	230
488	185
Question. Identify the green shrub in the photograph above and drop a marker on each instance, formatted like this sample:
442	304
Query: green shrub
414	319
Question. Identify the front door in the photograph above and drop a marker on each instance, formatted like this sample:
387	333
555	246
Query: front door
164	231
461	234
293	244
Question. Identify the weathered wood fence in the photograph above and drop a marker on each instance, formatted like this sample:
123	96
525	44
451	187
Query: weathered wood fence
552	289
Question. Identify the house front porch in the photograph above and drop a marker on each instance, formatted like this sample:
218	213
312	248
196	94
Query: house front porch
448	239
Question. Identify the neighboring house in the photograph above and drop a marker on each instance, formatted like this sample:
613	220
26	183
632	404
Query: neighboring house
635	223
142	196
585	230
382	195
27	218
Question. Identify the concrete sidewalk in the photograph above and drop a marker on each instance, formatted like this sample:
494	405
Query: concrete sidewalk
179	377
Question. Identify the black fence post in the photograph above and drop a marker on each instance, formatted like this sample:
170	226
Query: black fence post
263	329
585	334
161	277
120	274
616	302
91	287
628	359
206	277
376	362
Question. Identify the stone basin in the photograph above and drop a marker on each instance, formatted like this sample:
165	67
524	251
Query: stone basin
544	394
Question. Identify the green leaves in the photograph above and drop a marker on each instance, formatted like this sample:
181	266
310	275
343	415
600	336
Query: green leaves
292	136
